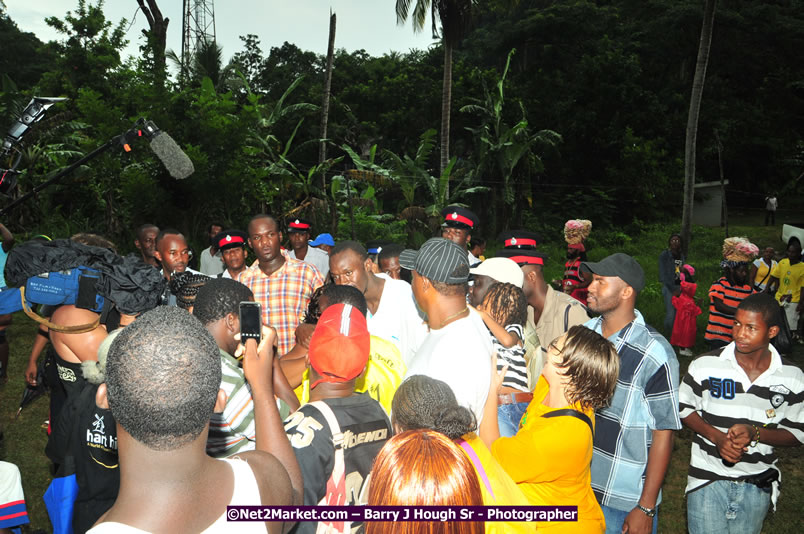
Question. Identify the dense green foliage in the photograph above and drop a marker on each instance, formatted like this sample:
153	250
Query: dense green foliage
587	121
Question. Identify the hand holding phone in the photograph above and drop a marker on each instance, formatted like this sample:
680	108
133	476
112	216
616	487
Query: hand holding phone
259	363
250	321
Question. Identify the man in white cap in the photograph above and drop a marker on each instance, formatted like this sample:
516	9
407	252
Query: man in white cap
490	272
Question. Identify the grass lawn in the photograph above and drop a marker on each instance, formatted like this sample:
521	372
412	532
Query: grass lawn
25	439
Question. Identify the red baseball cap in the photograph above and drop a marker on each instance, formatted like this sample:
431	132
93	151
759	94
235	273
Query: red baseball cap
339	348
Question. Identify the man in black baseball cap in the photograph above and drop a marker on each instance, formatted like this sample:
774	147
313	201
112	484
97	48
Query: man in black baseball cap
458	348
299	237
458	225
232	244
616	282
633	435
618	279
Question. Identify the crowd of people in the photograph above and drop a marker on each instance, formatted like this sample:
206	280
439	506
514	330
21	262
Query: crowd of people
391	376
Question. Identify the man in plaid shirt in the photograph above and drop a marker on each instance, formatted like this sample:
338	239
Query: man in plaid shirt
281	284
634	435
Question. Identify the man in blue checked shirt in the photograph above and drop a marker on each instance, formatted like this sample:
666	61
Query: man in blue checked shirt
634	435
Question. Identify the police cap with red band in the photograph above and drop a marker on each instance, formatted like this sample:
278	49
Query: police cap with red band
299	225
523	256
230	239
520	239
458	217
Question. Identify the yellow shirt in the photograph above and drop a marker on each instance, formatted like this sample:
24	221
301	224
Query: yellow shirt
791	279
763	271
549	459
384	372
498	488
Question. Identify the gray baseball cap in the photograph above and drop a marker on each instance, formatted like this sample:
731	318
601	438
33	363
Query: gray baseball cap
620	265
439	260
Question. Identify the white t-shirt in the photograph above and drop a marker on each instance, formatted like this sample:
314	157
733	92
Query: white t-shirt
397	318
460	355
211	265
315	257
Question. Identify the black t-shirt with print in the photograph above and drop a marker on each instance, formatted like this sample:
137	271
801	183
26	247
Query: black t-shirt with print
365	428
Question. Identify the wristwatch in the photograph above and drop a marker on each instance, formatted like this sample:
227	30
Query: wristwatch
650	512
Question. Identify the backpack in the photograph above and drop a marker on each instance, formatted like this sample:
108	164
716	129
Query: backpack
63	272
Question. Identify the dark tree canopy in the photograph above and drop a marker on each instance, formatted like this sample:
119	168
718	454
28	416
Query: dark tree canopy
611	78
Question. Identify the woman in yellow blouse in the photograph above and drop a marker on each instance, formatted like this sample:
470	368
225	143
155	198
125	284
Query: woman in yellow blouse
550	455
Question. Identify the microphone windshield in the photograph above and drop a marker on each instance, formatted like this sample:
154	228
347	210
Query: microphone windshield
172	156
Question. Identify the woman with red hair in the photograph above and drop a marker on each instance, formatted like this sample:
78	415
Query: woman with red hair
423	468
422	402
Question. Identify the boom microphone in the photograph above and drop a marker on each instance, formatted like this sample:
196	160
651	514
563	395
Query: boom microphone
172	156
169	153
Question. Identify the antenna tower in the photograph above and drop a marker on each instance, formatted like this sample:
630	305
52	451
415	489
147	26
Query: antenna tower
198	26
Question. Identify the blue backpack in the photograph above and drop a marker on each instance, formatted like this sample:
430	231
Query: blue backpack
76	286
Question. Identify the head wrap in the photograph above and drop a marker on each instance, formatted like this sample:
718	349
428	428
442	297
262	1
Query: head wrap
737	251
577	230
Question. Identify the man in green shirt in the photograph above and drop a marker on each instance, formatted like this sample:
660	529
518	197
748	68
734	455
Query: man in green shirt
232	431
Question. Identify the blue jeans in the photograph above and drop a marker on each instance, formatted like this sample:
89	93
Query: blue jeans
727	507
508	417
669	310
615	519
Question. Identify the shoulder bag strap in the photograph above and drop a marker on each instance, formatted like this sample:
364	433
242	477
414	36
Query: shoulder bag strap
76	329
336	485
571	413
770	268
470	452
566	317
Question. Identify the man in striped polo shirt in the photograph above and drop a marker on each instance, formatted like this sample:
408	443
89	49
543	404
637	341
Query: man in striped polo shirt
233	430
741	401
729	290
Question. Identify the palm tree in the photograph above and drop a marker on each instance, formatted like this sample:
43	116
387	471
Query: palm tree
454	17
207	62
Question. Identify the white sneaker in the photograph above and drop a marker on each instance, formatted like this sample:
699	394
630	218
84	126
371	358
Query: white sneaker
685	352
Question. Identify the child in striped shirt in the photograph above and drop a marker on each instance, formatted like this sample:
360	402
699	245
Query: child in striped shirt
505	304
